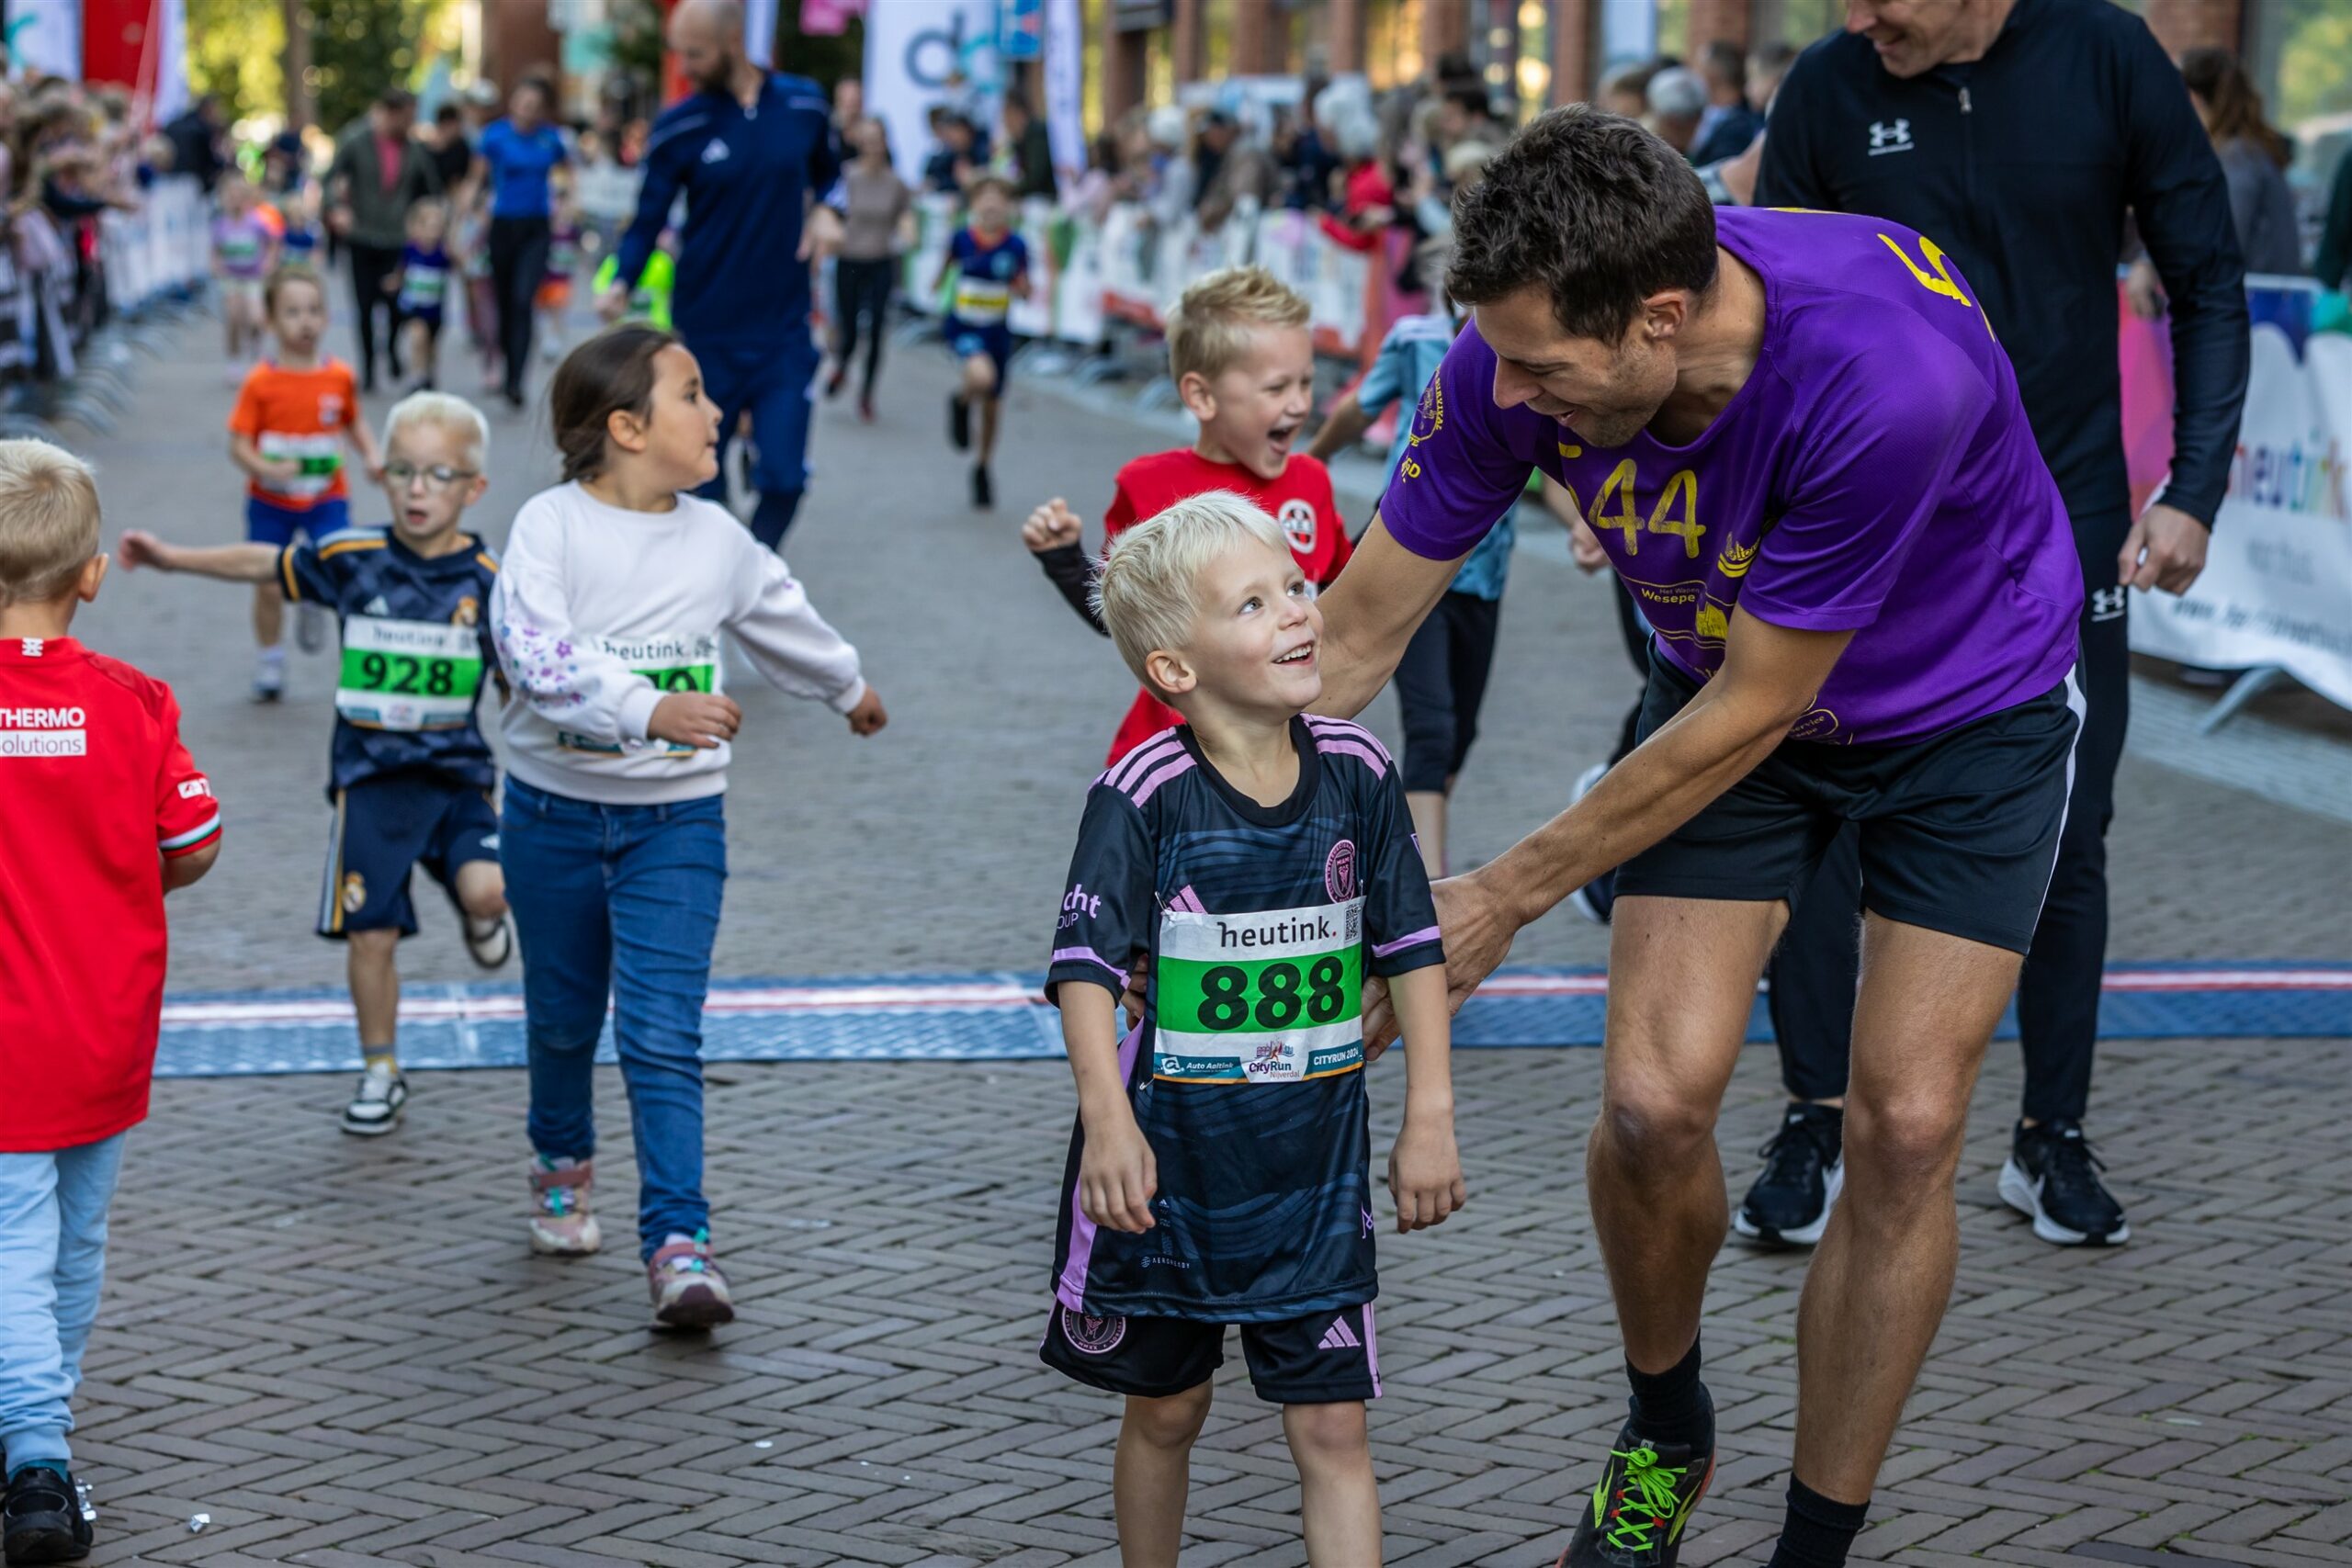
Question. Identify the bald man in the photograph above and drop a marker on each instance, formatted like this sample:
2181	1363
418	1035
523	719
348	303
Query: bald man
753	149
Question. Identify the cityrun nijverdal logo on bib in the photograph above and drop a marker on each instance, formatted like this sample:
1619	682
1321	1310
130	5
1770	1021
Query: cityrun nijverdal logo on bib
43	732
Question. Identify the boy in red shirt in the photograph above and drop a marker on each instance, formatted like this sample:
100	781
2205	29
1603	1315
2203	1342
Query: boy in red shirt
105	815
1244	366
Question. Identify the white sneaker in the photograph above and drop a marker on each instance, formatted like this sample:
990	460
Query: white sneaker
375	1107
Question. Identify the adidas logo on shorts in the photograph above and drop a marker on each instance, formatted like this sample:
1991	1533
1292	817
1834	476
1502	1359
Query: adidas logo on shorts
1340	1336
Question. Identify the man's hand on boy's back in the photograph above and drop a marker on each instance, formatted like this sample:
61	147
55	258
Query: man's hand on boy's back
1050	527
703	720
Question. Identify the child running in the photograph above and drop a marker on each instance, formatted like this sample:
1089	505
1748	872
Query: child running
1244	366
420	288
1219	1174
990	266
553	301
411	776
608	618
244	248
105	815
294	415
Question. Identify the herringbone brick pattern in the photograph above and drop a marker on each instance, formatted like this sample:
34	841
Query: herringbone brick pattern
343	1353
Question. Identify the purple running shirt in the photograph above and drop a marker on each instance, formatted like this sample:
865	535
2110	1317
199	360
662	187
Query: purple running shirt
1875	474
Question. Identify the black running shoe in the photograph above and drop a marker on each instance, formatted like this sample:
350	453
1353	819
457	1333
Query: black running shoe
959	424
1805	1166
2052	1179
1643	1500
44	1518
983	492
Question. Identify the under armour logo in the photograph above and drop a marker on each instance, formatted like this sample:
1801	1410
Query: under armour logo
1890	136
715	153
2109	603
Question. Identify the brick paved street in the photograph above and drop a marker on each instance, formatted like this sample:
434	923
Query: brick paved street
343	1352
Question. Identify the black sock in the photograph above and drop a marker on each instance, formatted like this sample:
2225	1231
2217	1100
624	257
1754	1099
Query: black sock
1672	1403
1818	1532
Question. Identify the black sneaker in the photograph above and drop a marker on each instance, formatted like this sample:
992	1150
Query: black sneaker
959	423
1643	1502
983	493
44	1518
2052	1179
1805	1166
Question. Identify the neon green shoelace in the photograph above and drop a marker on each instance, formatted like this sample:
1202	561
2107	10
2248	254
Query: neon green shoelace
1645	1499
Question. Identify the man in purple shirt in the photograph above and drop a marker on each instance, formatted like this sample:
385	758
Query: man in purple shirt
1804	451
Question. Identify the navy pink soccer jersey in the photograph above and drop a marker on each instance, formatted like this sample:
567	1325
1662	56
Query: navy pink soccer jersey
1875	474
1246	1073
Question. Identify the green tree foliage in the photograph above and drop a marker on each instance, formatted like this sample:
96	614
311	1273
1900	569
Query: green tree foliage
361	47
236	48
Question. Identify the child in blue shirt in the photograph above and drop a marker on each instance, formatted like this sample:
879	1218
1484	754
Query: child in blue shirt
990	266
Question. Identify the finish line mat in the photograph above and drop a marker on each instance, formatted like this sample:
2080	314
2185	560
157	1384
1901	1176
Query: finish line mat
1000	1017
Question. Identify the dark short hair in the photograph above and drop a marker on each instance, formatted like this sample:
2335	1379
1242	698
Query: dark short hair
396	99
1724	59
608	374
1592	209
284	276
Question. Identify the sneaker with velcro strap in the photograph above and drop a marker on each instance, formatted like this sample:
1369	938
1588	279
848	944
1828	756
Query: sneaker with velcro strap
375	1106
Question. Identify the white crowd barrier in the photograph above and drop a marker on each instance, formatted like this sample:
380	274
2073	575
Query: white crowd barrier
163	248
1130	269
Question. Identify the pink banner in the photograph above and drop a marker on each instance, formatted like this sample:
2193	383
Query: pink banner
827	18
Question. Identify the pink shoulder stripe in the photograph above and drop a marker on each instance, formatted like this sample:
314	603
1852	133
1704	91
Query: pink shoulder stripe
1123	774
1175	767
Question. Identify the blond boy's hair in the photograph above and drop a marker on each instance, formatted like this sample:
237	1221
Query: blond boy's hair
1147	590
449	411
1209	326
49	521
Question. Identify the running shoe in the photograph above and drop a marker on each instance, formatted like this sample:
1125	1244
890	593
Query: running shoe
2052	1177
375	1106
959	423
688	1290
561	1219
269	679
43	1519
490	942
983	492
1643	1500
834	382
1597	899
1804	1168
310	627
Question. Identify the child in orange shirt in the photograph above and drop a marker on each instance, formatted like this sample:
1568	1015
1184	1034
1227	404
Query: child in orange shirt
295	413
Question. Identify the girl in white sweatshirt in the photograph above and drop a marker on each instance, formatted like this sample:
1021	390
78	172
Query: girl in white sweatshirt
608	616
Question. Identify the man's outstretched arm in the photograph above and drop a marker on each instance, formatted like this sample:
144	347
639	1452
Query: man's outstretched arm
1369	614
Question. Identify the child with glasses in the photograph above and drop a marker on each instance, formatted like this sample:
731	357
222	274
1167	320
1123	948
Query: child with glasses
411	776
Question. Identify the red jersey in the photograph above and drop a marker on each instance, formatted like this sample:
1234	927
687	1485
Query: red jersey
94	782
1300	499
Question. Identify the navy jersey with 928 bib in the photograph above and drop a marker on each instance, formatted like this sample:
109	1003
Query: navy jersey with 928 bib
1246	1075
415	647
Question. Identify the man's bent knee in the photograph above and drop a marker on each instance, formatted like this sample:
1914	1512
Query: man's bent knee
1653	1129
1902	1147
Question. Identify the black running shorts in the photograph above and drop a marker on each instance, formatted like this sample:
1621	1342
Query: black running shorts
1958	830
1329	1357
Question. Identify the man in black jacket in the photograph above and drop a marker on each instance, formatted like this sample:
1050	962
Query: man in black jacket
2017	134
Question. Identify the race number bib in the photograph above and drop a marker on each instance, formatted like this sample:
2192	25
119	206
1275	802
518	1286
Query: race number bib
672	664
408	674
982	301
317	459
1274	997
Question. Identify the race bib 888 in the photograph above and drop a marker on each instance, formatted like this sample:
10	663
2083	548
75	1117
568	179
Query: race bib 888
1272	996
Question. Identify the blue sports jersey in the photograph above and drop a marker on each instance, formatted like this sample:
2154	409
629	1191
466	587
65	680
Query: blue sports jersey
415	647
983	276
747	178
1246	1073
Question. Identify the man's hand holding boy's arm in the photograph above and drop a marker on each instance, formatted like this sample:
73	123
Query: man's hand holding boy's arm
1425	1167
1117	1177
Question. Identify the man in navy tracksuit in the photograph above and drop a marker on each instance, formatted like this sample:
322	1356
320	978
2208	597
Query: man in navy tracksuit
752	150
2017	134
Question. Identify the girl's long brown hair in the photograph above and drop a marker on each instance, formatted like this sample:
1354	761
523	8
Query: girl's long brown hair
608	374
2215	75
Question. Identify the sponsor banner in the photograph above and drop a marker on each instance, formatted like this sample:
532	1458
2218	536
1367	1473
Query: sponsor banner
2279	573
921	52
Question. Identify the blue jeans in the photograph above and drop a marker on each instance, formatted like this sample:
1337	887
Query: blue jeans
53	1257
618	901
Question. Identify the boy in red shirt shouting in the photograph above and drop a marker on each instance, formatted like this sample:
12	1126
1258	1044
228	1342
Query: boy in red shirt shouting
105	815
1244	366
